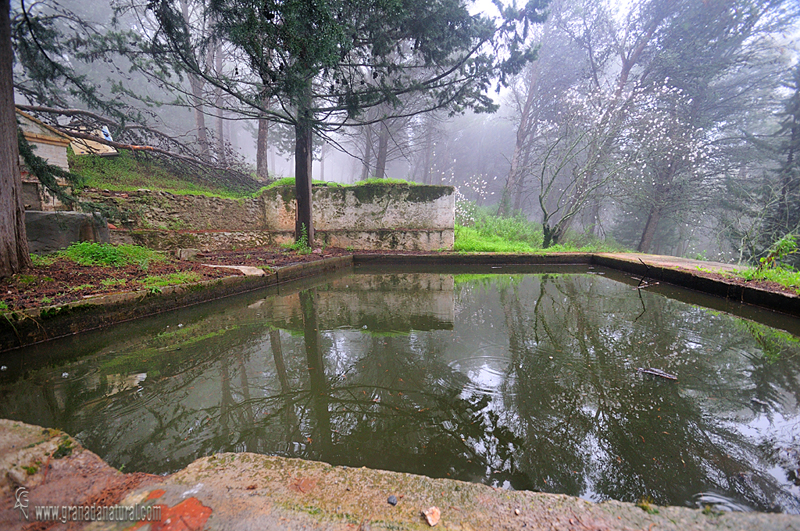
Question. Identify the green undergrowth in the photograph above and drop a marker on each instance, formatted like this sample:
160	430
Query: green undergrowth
107	255
483	240
481	230
472	240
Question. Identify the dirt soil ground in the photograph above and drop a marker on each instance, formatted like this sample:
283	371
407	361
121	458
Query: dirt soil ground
65	281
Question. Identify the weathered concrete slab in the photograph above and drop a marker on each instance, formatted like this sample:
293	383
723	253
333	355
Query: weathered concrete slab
249	271
51	231
248	491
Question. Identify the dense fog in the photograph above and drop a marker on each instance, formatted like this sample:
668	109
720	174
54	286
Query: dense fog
667	126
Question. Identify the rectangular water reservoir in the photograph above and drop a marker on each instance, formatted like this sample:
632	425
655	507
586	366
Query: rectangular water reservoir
520	378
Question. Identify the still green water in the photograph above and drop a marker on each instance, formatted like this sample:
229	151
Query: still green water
523	381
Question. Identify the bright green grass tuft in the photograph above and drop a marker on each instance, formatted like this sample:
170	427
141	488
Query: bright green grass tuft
104	254
290	181
470	240
785	277
173	279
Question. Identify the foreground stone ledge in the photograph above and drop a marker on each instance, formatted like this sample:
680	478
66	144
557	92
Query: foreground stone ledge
249	491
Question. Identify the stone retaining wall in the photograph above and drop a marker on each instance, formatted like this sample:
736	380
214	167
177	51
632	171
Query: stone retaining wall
373	216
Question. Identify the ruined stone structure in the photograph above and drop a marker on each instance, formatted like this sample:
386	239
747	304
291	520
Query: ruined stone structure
372	216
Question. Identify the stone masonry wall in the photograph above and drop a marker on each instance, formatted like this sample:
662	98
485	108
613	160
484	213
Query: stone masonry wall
373	216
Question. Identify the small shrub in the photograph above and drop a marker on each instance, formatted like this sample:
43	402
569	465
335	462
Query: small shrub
779	251
647	505
301	245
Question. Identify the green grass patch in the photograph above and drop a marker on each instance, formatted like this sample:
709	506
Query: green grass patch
785	277
114	282
375	180
173	279
3	306
42	260
290	181
481	230
471	240
104	254
82	286
128	172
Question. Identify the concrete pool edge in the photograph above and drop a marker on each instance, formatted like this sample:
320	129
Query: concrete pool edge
250	491
24	328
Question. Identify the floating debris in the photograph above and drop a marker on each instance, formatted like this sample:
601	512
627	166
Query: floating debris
432	515
657	372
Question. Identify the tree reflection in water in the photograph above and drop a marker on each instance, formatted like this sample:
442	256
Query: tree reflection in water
390	371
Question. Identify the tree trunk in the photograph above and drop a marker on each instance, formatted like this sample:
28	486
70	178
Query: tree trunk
302	171
322	151
426	171
367	162
383	151
262	146
199	115
514	182
219	103
14	255
649	229
196	85
521	182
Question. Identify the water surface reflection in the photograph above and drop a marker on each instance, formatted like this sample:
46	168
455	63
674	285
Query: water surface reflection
521	381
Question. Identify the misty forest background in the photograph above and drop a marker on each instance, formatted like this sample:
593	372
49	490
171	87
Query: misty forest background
664	126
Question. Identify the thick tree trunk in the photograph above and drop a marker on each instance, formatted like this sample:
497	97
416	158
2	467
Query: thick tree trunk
521	182
302	175
14	255
262	147
199	115
383	151
514	181
649	229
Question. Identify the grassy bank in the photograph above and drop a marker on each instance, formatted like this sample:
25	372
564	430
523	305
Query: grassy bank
479	230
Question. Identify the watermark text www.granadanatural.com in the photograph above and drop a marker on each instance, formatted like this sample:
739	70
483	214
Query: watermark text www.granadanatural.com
84	513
